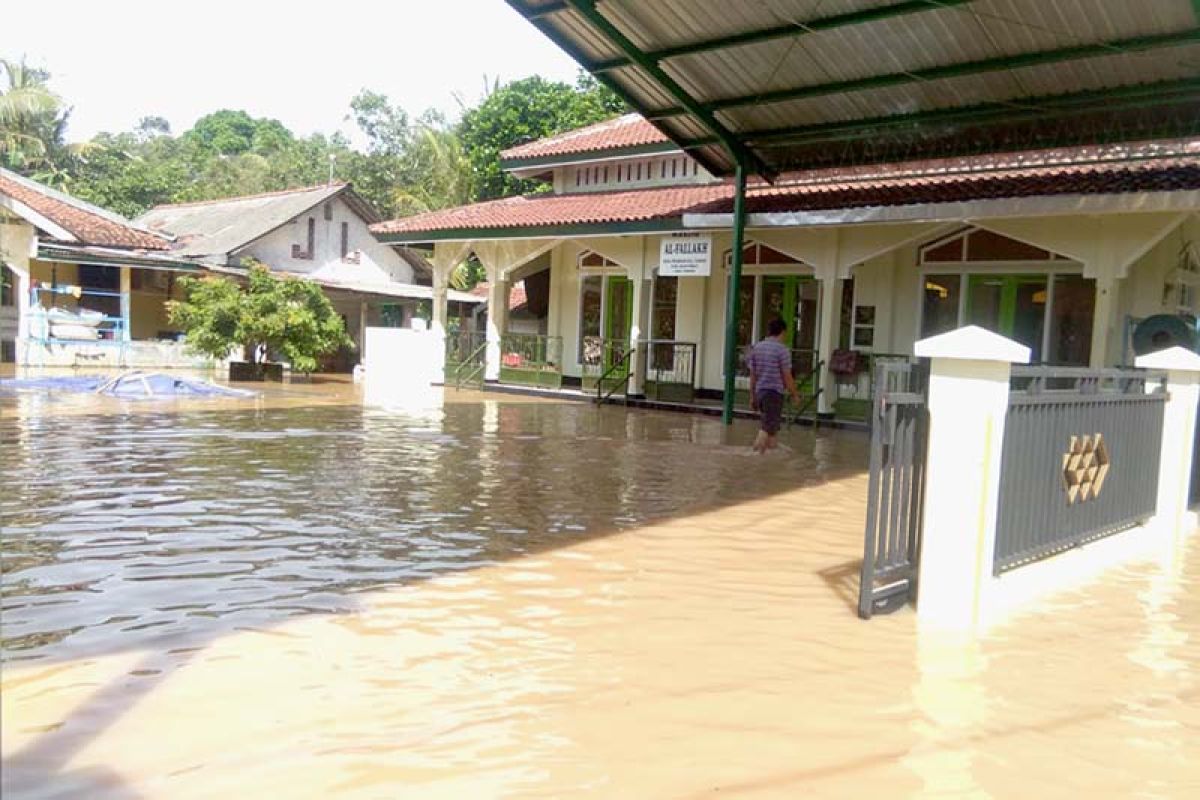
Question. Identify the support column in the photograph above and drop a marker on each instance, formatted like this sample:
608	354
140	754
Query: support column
126	289
827	335
497	322
1179	434
735	279
1103	320
362	331
638	330
968	402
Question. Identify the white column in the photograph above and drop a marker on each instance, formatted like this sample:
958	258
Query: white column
23	288
968	402
638	330
1179	433
1103	319
126	288
441	287
362	332
827	334
497	321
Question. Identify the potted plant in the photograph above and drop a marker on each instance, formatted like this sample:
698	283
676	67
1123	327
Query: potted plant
288	318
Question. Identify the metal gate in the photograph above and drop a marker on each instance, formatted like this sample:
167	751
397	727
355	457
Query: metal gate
895	489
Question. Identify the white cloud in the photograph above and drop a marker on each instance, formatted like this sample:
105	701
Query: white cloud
119	60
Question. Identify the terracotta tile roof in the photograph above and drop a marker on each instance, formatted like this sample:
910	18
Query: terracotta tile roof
89	224
1155	166
627	131
593	208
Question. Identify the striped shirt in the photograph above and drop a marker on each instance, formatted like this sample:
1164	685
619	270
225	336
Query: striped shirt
768	360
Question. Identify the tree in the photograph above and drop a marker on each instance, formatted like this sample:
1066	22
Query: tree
520	112
290	317
28	110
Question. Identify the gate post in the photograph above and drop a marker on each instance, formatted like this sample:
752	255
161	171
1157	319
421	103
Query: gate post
1178	434
968	402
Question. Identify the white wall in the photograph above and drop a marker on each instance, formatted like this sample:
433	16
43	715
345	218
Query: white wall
378	263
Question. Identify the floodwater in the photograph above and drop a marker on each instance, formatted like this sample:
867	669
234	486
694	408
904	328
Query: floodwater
296	596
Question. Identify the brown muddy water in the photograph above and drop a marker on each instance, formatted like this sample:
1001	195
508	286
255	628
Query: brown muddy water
297	596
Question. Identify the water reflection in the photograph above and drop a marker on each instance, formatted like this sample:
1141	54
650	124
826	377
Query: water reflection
528	599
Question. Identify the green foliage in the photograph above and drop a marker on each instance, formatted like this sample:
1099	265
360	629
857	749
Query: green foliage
409	165
291	317
520	112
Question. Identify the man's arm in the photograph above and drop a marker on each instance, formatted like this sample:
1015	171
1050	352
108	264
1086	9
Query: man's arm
785	372
753	382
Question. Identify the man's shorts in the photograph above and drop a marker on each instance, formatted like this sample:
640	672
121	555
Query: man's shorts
770	404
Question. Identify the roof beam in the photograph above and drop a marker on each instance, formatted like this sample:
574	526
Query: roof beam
738	152
1104	99
1134	45
781	31
541	21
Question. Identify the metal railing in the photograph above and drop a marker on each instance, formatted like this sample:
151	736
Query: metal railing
1080	458
605	362
531	359
895	487
670	369
88	322
466	358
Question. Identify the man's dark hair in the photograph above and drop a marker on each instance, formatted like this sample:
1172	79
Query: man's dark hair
776	327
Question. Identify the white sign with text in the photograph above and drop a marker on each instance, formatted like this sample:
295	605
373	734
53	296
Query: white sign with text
685	254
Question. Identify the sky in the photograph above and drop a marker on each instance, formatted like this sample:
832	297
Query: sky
116	61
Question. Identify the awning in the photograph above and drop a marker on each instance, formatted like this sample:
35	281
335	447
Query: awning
804	84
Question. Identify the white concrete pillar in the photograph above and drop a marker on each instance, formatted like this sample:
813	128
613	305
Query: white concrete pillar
497	321
968	402
440	312
1179	434
1103	320
126	316
24	288
827	335
639	329
362	332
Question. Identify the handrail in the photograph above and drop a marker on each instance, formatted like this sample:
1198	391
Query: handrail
620	362
470	360
815	376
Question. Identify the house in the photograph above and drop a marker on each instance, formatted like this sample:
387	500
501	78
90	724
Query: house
1064	249
319	233
82	286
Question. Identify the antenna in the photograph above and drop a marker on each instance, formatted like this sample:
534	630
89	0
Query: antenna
332	158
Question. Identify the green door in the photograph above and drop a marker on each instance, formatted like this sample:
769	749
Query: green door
795	300
618	319
1012	306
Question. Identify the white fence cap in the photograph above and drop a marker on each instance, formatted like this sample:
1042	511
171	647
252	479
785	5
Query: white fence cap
1179	359
973	343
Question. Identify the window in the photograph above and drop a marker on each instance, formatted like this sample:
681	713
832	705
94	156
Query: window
864	326
312	238
329	212
662	322
8	294
345	239
589	312
939	307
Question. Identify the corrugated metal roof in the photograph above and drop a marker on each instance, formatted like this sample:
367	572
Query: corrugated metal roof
700	68
217	228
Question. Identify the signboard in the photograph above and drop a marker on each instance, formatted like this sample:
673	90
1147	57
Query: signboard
685	254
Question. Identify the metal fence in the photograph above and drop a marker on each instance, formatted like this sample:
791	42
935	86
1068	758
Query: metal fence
1080	458
465	357
605	364
670	369
531	359
895	487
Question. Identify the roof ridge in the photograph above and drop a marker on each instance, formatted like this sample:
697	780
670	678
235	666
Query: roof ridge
277	193
80	205
630	118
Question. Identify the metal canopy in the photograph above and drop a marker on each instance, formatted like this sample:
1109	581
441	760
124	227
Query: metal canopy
791	84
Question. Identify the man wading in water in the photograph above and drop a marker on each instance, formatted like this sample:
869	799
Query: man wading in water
770	375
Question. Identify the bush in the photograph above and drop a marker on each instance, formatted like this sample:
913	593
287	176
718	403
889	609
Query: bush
288	317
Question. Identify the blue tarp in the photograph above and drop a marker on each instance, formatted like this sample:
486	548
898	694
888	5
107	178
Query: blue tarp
132	385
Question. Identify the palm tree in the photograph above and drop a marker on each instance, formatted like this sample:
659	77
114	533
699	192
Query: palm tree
26	106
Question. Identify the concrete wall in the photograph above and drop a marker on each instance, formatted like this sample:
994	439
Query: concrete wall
377	263
891	281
